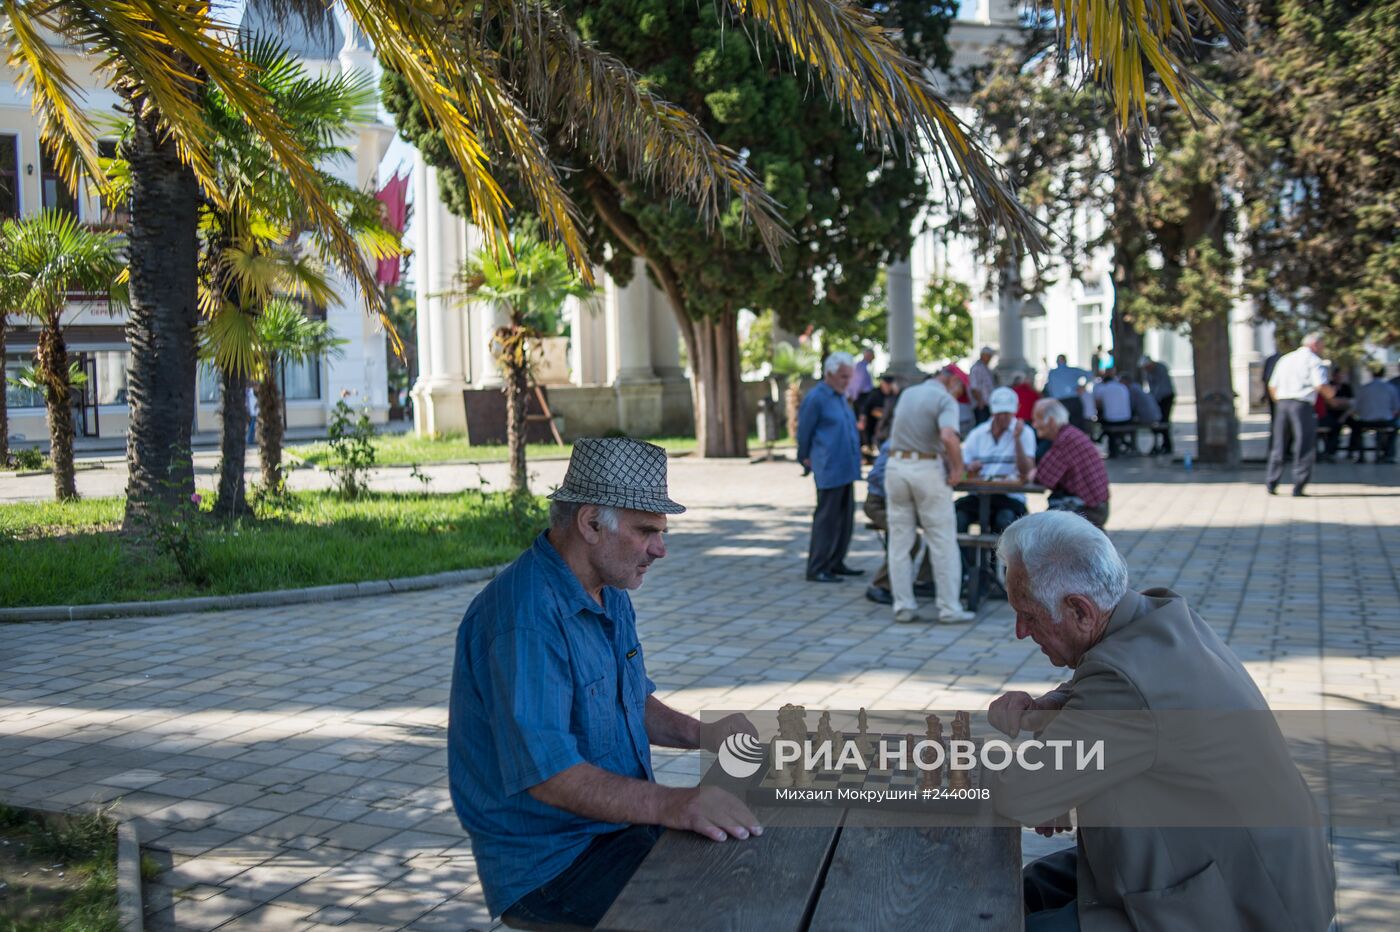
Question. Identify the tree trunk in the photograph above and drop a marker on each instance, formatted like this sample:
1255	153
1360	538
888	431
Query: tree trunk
53	370
233	447
161	328
517	387
4	405
721	421
1217	426
270	428
1129	246
794	402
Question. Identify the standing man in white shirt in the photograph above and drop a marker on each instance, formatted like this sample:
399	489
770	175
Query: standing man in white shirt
925	463
1297	380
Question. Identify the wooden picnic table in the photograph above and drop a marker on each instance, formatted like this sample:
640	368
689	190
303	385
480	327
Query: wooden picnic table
985	542
865	871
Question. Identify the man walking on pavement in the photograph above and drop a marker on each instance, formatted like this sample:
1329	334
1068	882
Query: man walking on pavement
981	383
1297	380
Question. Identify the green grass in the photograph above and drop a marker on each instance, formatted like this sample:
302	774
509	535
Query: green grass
408	449
72	554
86	846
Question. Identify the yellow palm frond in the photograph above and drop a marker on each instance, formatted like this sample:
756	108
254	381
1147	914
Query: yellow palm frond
1119	41
887	95
598	97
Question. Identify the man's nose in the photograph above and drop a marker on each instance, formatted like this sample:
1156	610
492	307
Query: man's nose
1023	630
657	550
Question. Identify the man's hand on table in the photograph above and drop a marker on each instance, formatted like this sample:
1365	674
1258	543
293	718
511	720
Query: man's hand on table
709	811
712	734
1017	711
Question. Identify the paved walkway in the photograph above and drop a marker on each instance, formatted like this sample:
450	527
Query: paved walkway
288	766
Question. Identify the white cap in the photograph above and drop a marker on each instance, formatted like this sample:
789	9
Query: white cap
1004	401
988	351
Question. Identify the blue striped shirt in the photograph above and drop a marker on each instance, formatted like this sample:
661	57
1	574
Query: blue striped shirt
544	678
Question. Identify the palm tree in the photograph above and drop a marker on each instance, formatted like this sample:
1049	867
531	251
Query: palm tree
530	281
284	334
485	74
42	259
793	363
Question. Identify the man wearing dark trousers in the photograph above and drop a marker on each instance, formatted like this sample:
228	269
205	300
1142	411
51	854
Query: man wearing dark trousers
1297	380
829	445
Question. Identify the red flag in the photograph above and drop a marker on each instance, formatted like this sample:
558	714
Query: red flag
394	198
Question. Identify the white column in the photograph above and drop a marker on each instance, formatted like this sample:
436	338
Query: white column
629	328
665	336
1011	354
899	300
588	342
437	394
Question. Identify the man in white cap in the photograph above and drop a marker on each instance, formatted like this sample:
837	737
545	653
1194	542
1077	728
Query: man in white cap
552	714
1002	448
980	384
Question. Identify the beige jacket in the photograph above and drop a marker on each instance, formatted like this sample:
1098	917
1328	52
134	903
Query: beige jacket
1157	654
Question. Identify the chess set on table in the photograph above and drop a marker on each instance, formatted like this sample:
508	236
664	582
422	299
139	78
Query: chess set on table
861	780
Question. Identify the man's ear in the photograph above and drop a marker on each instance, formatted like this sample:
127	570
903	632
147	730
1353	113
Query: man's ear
587	525
1082	611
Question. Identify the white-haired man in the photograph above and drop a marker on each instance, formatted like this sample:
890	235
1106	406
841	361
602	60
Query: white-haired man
829	445
925	463
552	714
1298	378
1148	671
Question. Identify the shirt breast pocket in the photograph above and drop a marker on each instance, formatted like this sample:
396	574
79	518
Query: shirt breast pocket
598	715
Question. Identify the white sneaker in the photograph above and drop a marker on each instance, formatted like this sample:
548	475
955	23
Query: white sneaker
959	617
910	616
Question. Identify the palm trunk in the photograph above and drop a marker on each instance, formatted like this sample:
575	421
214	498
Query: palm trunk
270	428
721	421
233	447
794	402
161	329
517	388
53	370
4	405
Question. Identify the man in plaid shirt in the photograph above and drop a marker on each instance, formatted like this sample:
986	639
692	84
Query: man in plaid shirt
1072	468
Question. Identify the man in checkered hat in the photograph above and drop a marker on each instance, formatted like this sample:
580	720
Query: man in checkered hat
552	712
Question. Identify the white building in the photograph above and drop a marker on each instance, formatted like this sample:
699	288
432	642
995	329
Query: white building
95	333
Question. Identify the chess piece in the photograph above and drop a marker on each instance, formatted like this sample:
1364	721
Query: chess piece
962	731
933	778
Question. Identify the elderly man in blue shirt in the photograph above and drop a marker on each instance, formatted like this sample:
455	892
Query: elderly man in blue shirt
829	445
552	714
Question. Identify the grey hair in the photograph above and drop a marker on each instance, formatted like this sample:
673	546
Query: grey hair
1053	411
1065	555
836	361
1315	337
563	514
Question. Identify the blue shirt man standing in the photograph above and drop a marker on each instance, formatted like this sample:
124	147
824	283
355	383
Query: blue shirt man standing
829	445
552	714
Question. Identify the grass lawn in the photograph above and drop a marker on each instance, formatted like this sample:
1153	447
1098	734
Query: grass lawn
57	872
71	554
409	449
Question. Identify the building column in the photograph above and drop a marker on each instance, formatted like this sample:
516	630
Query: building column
588	336
1011	354
629	327
437	395
899	301
665	337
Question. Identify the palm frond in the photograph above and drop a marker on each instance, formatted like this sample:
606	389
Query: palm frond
597	97
887	95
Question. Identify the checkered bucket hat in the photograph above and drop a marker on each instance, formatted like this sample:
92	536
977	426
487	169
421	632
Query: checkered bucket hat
617	472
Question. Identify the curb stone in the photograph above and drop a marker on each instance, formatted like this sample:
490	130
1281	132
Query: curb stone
129	909
275	597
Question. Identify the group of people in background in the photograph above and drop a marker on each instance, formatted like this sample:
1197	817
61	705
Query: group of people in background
923	436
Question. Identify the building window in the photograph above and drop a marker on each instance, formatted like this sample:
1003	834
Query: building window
112	376
302	380
57	193
17	396
9	176
114	214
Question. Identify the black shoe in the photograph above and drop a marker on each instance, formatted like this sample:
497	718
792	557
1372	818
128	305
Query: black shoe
824	577
1272	487
844	570
1298	491
879	596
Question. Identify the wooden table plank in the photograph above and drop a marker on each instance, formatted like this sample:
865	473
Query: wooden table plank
890	877
765	883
